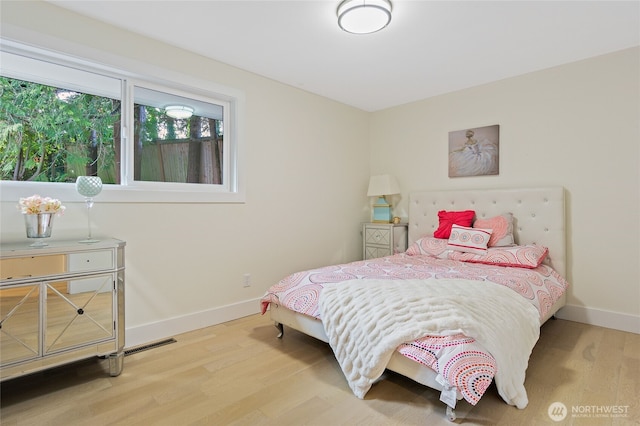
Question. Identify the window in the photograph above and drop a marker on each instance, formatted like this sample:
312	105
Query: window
53	134
186	149
60	119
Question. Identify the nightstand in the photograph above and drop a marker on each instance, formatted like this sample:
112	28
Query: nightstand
383	239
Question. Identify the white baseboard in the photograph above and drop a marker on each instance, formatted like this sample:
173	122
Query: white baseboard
147	333
608	319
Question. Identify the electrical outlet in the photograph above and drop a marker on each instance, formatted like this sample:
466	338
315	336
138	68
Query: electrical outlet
246	280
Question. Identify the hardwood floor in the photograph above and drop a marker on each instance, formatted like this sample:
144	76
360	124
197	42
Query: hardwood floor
239	373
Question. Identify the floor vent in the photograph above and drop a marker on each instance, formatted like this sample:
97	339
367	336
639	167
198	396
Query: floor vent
149	346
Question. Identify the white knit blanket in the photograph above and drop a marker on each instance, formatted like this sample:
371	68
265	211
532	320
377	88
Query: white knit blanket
366	320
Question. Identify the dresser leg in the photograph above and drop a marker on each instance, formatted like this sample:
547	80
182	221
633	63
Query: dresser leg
116	363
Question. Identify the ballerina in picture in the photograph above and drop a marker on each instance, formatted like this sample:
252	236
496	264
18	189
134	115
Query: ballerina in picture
474	157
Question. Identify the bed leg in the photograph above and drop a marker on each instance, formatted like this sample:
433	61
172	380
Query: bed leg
280	328
451	414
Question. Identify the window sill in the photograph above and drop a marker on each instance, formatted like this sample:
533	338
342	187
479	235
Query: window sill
11	191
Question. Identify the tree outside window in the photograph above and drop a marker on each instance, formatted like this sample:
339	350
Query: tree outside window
52	134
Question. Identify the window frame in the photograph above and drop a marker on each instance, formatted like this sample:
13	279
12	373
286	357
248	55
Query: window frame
230	191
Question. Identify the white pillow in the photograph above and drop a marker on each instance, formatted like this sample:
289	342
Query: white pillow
469	240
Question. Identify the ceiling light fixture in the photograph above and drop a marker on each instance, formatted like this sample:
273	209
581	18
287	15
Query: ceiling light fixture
179	112
364	16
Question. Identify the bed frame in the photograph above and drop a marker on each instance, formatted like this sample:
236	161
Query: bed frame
539	218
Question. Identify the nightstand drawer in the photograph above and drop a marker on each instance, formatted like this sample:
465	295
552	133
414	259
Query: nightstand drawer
376	235
371	252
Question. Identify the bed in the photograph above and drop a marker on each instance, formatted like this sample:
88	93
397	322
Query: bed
441	347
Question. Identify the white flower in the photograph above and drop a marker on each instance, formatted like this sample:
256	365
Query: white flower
37	205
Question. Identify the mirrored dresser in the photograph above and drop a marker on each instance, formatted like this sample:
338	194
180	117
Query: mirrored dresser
61	303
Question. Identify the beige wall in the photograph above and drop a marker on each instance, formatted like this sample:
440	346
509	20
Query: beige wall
575	126
306	170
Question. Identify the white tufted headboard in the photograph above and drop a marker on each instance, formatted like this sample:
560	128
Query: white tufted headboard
538	215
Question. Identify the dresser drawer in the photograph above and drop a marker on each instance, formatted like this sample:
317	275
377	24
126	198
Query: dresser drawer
90	261
40	266
33	266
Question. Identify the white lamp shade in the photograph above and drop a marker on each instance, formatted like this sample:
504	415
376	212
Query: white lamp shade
382	185
364	16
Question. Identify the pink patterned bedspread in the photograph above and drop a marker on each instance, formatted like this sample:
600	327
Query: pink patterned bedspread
459	359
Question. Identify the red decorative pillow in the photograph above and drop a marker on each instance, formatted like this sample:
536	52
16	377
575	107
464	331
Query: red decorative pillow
448	219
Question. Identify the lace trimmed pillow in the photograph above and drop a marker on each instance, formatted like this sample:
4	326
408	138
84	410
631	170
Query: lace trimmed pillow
469	240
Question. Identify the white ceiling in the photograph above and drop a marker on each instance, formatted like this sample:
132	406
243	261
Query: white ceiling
429	48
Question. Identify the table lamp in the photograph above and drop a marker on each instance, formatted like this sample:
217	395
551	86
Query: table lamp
379	186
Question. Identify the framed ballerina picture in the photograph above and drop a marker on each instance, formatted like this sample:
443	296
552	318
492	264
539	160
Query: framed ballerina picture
474	152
